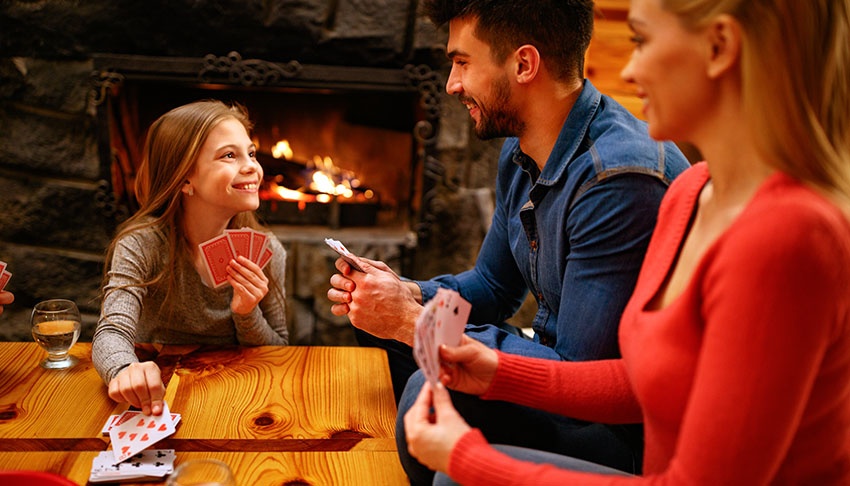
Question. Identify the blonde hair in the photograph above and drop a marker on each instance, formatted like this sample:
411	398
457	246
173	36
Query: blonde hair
171	148
795	69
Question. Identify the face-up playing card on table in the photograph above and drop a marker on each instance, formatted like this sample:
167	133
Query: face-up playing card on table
217	253
151	464
343	252
139	432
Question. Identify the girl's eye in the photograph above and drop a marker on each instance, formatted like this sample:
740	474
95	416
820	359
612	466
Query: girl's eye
252	154
228	155
636	40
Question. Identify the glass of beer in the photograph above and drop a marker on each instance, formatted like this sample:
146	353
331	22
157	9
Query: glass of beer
56	327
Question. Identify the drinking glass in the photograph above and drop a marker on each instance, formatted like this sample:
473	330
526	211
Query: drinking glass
197	472
56	327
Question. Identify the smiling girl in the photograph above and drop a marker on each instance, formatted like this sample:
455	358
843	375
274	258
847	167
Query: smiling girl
199	176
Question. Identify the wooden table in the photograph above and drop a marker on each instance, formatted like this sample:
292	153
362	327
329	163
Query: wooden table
276	415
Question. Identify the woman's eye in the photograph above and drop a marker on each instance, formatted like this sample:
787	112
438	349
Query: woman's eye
636	40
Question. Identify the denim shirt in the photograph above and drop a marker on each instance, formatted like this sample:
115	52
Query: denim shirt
574	235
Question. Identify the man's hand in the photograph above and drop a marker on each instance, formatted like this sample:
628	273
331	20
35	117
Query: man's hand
376	299
139	384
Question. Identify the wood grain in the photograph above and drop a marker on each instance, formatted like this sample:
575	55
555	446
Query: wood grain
273	393
50	409
250	468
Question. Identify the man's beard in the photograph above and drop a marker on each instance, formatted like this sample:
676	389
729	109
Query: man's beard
502	120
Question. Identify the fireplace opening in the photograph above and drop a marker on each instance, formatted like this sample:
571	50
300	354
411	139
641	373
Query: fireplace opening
343	149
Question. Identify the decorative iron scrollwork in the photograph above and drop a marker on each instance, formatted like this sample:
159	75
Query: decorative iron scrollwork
103	82
247	72
428	82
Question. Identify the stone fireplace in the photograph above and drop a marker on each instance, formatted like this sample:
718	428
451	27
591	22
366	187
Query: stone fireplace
357	82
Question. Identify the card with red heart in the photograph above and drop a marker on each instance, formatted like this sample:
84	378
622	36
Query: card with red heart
139	433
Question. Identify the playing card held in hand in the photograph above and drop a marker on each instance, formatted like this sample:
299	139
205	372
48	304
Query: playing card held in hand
442	321
139	432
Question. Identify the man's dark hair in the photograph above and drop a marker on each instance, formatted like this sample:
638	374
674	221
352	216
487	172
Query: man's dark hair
559	29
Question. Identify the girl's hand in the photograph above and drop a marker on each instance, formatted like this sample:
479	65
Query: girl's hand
432	437
468	368
249	284
140	385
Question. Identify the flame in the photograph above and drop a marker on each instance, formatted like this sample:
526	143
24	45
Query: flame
327	179
282	149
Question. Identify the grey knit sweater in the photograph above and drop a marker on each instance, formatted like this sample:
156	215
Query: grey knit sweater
198	315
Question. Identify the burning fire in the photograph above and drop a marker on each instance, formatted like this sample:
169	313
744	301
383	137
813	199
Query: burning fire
326	182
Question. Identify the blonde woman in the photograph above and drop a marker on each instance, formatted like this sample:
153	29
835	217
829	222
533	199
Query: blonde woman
199	176
736	341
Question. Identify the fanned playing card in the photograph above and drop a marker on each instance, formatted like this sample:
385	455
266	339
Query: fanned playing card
441	321
5	276
451	317
217	254
139	432
148	465
259	242
240	241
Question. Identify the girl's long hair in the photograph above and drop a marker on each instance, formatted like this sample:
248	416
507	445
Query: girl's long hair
171	148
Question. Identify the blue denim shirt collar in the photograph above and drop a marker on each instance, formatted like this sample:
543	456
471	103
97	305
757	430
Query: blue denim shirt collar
573	134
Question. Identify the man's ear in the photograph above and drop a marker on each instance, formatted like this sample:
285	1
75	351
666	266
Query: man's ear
724	41
527	59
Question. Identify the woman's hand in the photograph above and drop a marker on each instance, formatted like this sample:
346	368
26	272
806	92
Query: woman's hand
468	368
432	437
139	384
249	284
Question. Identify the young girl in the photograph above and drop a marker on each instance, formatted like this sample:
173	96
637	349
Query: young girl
199	176
736	341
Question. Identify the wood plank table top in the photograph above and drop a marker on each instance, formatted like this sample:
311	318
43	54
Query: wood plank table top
276	414
351	468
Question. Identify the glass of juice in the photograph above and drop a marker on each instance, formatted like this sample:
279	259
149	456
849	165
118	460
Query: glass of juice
56	327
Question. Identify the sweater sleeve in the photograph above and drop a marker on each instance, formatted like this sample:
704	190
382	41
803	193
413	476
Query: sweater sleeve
266	324
595	391
768	400
113	345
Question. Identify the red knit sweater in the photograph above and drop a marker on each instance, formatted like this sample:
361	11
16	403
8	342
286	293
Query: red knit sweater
743	379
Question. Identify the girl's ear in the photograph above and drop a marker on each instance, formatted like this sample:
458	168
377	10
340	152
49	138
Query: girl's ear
188	189
724	38
527	59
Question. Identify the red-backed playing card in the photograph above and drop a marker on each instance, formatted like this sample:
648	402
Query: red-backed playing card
217	254
240	241
259	241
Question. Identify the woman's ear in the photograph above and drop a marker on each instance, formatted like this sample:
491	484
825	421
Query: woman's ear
188	189
527	59
724	39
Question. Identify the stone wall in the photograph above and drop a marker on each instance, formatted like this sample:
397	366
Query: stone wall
55	209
